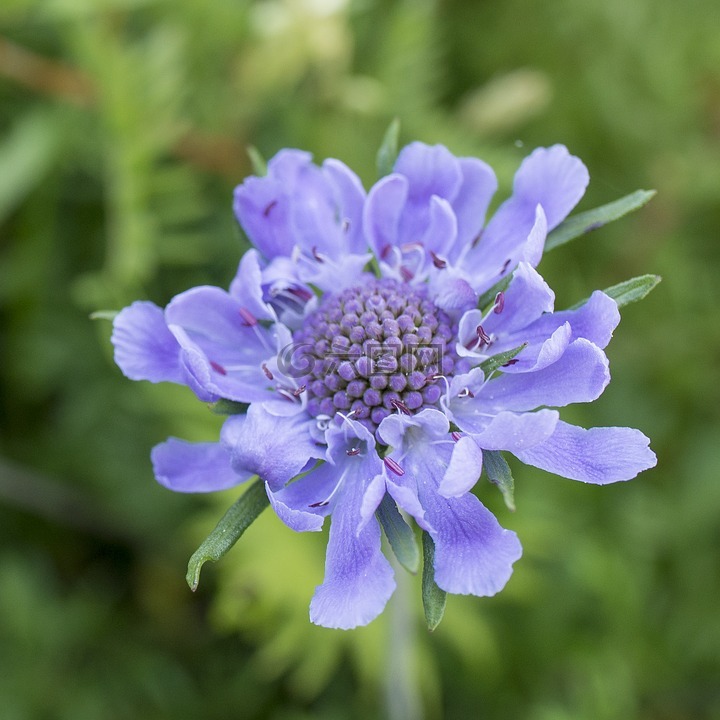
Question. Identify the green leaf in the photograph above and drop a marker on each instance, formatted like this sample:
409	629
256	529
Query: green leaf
228	531
228	407
399	534
628	291
259	165
490	365
388	152
584	222
433	597
498	472
104	314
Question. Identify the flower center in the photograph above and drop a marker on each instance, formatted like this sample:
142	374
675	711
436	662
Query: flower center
376	349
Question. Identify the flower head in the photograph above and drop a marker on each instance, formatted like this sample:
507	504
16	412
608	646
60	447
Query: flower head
359	388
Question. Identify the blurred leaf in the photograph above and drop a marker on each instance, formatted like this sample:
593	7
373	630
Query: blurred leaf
584	222
388	152
104	315
228	407
399	534
258	162
25	157
433	597
229	530
498	472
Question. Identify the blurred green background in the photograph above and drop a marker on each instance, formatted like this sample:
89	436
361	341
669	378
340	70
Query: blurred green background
123	128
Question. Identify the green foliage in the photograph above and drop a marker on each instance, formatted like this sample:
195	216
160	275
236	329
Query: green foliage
124	126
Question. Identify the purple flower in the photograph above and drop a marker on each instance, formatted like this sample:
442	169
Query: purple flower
360	388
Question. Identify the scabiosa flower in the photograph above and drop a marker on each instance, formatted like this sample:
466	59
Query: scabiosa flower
355	390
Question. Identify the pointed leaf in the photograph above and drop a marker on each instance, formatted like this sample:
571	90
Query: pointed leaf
259	165
490	365
399	534
228	531
388	152
628	291
433	597
104	315
498	472
584	222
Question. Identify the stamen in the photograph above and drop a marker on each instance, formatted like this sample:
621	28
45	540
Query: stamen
345	225
484	337
299	391
267	372
499	302
217	367
455	436
401	406
385	252
466	392
322	503
477	239
353	451
248	318
393	466
317	255
438	262
511	362
407	273
505	266
301	292
267	210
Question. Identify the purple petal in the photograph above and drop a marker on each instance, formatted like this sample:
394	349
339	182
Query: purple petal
464	469
440	228
351	199
512	431
194	467
580	375
430	170
473	553
246	287
383	209
358	579
145	349
471	203
451	293
552	178
599	455
275	448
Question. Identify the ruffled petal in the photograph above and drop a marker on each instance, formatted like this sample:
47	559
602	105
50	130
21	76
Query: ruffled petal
145	349
553	178
474	554
273	447
580	375
464	469
430	170
599	455
507	430
195	467
471	202
383	208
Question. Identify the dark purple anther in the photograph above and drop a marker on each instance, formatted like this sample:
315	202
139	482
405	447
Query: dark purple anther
353	451
455	436
482	335
499	303
297	392
390	464
269	207
438	262
466	392
248	318
510	362
217	367
301	293
317	255
267	372
505	266
401	406
407	273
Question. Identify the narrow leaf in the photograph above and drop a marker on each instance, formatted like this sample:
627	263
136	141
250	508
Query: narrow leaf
433	597
388	152
257	161
104	315
228	531
490	365
584	222
628	291
498	472
228	407
399	534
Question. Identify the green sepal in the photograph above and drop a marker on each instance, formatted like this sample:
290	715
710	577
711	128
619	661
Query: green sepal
104	314
228	407
227	532
498	472
388	152
433	597
584	222
490	365
259	165
629	291
399	534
